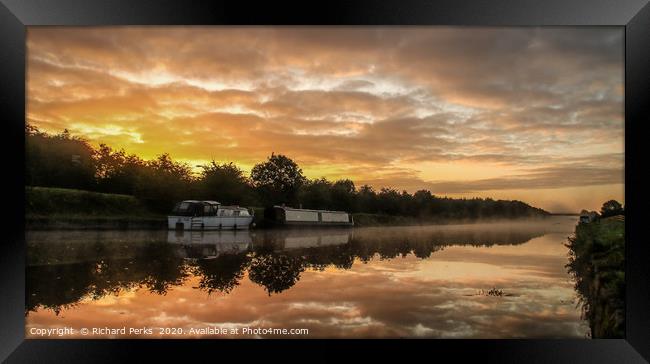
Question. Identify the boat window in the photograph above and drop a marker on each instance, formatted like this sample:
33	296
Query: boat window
182	208
225	212
207	210
235	213
196	210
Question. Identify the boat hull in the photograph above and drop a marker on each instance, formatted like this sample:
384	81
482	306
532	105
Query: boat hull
209	222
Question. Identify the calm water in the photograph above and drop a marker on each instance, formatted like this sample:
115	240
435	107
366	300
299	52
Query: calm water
431	281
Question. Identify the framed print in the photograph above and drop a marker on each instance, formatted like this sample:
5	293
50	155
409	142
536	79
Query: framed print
359	180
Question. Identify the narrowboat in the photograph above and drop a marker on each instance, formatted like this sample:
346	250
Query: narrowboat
288	216
208	215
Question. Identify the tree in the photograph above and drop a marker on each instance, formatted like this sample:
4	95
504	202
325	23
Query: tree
316	194
163	183
611	208
60	160
225	183
116	171
343	195
389	201
423	200
278	180
367	199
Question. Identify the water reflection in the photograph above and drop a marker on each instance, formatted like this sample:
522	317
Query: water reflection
59	274
67	270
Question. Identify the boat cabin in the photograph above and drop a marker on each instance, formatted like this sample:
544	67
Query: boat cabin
208	215
196	208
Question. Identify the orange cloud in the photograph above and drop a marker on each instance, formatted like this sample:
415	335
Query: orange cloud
347	102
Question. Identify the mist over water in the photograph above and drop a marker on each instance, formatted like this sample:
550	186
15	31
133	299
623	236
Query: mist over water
487	280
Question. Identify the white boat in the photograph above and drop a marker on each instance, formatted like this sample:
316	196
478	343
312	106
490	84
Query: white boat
208	215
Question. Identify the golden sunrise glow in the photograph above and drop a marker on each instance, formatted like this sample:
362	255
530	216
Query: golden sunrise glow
369	299
534	114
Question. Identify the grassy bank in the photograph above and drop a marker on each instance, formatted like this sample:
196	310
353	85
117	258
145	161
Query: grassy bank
59	208
597	262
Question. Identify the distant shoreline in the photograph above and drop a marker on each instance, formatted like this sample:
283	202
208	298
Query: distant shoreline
69	209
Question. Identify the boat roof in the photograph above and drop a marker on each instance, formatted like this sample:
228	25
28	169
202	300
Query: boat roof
204	202
294	209
210	202
234	208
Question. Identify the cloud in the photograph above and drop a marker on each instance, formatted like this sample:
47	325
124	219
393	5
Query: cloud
541	178
372	100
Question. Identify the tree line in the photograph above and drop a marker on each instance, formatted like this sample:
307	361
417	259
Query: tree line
67	161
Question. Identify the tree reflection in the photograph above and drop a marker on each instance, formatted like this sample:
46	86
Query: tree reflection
56	287
163	268
338	256
223	273
99	271
276	272
62	273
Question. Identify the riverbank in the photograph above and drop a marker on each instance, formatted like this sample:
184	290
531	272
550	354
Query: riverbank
69	209
597	262
64	209
72	222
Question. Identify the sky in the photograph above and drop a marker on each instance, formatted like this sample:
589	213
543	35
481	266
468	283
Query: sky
534	114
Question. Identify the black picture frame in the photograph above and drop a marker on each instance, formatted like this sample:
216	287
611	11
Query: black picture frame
633	15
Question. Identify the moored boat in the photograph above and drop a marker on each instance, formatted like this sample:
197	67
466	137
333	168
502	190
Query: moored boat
208	215
288	216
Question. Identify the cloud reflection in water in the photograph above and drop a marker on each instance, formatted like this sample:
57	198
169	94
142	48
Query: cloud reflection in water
370	282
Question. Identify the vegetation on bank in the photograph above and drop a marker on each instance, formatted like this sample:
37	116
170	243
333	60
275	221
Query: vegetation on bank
597	262
70	162
61	208
44	201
